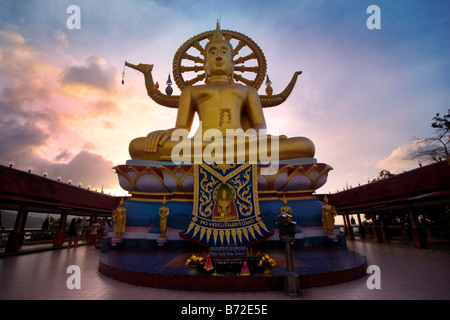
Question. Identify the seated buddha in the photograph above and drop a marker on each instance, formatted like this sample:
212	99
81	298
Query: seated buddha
222	107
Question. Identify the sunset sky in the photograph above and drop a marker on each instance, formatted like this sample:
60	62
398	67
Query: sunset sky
364	95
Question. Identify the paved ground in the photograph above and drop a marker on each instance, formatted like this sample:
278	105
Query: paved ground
405	273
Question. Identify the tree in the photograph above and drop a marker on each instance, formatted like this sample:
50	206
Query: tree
434	149
383	174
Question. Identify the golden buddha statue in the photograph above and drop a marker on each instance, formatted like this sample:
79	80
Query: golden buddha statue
328	213
224	209
285	210
120	219
163	214
221	105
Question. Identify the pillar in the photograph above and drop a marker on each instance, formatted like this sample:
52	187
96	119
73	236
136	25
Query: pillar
384	229
345	225
351	234
362	231
58	240
377	237
419	238
15	238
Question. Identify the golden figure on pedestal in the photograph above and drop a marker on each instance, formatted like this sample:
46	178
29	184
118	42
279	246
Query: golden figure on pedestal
120	219
328	213
163	214
285	210
224	209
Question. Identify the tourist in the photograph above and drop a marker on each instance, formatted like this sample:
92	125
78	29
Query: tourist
72	233
106	228
79	230
99	235
92	232
46	223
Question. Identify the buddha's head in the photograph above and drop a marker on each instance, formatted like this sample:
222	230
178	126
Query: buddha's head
218	55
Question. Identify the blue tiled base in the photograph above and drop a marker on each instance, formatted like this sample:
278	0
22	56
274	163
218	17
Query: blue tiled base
182	244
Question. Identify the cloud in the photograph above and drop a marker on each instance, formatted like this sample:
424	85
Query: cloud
64	155
33	127
102	107
25	69
93	75
19	139
27	81
87	168
11	37
399	159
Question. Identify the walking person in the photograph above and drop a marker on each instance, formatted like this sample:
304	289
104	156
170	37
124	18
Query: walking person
72	233
106	228
99	236
79	230
92	232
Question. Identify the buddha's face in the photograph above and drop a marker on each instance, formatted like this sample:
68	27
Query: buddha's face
224	195
218	60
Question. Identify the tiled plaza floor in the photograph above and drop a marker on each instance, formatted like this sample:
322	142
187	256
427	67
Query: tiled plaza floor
405	273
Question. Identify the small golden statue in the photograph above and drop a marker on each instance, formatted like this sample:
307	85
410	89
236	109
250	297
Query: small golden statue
285	210
224	209
221	105
328	213
163	214
120	219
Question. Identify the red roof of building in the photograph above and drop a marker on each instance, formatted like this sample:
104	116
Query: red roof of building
423	183
19	187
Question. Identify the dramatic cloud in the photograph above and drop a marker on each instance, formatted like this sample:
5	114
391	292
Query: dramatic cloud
87	168
93	75
17	139
37	105
400	159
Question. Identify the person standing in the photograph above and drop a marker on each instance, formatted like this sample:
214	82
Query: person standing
92	232
72	233
79	230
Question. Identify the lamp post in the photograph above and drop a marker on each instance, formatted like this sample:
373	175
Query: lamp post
287	235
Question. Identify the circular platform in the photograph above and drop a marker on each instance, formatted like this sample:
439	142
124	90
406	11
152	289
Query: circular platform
165	268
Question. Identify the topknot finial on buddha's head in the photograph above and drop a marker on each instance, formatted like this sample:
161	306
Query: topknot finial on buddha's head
216	38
